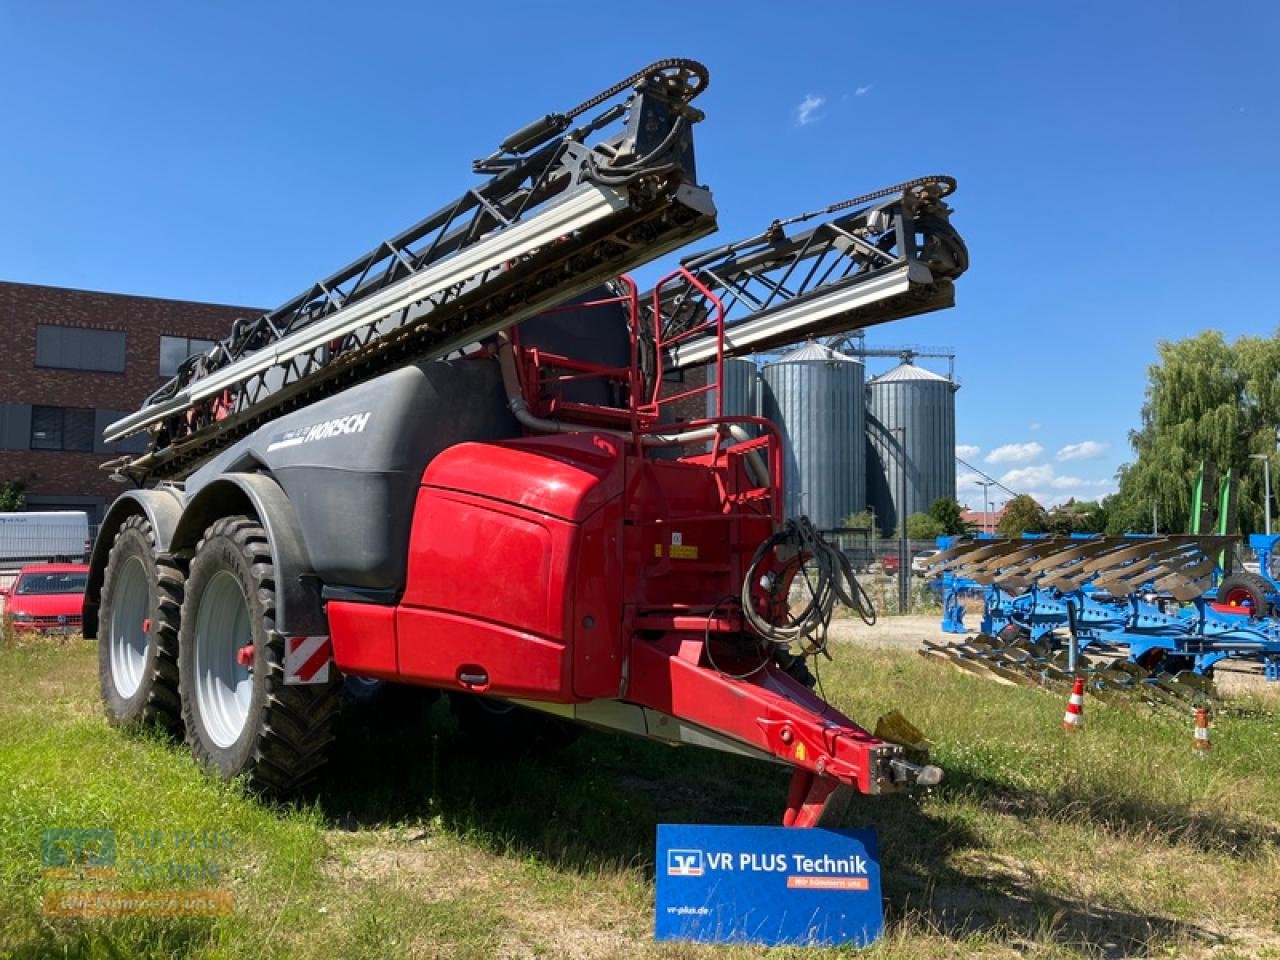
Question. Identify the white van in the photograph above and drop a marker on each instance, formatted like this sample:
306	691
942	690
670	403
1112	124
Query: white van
51	536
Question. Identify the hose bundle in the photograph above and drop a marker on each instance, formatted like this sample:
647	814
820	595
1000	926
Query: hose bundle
828	575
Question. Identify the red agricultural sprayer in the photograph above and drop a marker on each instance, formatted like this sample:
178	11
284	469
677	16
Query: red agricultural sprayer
455	463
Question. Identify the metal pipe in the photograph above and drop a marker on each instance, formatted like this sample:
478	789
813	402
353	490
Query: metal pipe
520	410
1266	480
1073	640
904	565
986	486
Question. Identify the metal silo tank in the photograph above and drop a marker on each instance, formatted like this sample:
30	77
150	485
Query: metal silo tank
741	388
816	397
923	403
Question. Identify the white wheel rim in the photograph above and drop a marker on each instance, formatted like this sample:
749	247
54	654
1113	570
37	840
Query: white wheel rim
224	688
130	603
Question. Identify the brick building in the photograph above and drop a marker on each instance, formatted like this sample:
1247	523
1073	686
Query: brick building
72	361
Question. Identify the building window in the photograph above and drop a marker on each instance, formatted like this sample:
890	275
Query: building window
173	350
61	428
78	348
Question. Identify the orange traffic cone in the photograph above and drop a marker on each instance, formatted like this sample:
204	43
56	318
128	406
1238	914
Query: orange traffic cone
1073	719
1201	742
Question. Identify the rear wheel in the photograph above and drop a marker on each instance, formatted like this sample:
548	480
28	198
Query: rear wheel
1246	590
138	622
241	718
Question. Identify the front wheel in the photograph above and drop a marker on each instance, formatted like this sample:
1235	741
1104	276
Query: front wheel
241	718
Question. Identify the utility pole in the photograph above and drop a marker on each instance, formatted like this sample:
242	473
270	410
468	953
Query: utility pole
986	486
1155	527
1266	481
904	564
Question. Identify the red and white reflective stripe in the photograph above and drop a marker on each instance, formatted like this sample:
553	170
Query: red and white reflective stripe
1074	716
307	659
1201	741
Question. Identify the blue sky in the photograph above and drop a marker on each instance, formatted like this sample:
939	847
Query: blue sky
1116	161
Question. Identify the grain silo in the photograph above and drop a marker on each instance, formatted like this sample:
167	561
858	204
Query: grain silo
914	407
741	388
817	398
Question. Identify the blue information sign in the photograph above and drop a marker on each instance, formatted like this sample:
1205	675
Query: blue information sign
769	885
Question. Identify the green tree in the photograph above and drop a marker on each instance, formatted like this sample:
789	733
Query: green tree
1126	513
865	520
1206	400
921	526
1060	523
947	512
1078	516
1092	516
12	496
1022	515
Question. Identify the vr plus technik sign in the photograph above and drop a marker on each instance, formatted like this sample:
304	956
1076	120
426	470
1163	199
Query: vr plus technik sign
769	885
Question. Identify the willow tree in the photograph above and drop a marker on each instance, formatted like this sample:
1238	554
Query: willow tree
1206	400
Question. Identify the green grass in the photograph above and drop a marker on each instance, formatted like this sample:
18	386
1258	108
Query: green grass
1115	841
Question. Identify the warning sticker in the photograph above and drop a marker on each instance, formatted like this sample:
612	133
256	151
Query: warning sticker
683	552
306	660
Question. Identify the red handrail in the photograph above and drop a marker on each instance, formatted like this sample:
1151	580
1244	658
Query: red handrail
715	318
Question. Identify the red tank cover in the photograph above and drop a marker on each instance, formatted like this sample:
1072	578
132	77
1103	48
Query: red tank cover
515	570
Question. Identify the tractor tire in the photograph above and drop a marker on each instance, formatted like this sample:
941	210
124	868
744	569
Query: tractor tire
506	728
138	632
241	718
1246	589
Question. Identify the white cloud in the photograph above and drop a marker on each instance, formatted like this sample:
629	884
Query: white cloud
808	108
1025	477
1035	425
1085	450
1038	480
863	91
1075	483
967	451
1015	453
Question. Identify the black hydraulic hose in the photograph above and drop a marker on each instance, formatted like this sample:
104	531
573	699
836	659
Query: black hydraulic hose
721	604
624	173
829	576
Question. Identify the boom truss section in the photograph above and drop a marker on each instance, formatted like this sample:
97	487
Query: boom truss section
881	257
559	215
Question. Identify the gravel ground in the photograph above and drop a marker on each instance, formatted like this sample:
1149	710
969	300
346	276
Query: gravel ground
901	633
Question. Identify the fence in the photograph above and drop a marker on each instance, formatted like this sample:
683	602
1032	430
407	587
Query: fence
878	568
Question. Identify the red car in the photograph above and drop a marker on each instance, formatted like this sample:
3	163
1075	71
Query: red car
46	597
